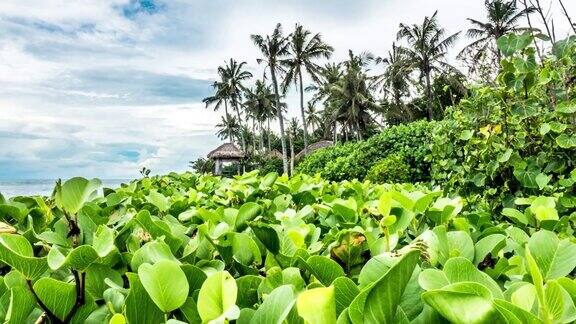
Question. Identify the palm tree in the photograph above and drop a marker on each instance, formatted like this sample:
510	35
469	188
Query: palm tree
351	96
395	81
260	103
219	98
233	75
502	18
305	48
328	76
426	50
228	128
313	117
274	47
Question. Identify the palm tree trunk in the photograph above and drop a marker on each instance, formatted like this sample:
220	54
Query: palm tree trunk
335	130
429	97
227	121
302	112
254	146
268	136
280	119
261	135
359	130
240	123
291	154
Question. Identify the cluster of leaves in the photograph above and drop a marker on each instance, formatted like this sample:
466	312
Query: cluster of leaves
203	249
517	139
393	169
353	161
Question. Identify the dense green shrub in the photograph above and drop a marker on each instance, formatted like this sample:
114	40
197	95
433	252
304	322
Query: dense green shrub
515	139
392	169
353	161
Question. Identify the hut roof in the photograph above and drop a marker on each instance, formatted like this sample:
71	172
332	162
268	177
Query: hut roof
226	151
313	147
274	154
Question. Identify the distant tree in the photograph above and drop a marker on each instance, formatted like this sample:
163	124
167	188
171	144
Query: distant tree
274	48
395	82
228	128
313	117
304	49
234	74
503	17
426	50
202	165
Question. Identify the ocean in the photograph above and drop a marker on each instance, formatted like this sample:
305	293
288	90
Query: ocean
42	187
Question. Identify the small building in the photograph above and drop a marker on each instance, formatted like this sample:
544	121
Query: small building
313	147
226	154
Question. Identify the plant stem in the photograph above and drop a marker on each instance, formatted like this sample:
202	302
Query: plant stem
80	280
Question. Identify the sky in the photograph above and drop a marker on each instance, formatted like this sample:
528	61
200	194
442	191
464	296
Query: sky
101	88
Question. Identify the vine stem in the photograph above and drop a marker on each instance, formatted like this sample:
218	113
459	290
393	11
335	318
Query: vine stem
80	280
53	318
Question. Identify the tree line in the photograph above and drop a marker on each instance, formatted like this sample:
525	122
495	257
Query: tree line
416	79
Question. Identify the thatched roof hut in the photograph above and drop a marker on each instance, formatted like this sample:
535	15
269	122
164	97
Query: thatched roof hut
313	147
226	152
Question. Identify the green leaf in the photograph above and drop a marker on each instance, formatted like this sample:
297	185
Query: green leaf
17	252
377	303
514	314
159	200
166	284
248	290
489	244
22	303
74	193
276	306
268	236
317	306
566	107
217	296
324	269
554	257
246	213
463	302
79	258
140	308
345	290
103	241
566	141
151	252
58	296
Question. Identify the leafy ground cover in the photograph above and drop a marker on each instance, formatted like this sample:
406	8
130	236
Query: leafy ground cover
268	249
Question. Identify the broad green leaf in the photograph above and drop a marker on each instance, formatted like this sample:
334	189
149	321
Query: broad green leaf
79	258
22	303
248	290
514	314
345	290
166	284
276	306
490	244
217	296
58	296
377	303
96	274
566	141
103	241
463	302
554	257
317	306
268	236
17	252
74	193
159	200
324	269
151	252
462	270
246	213
140	308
